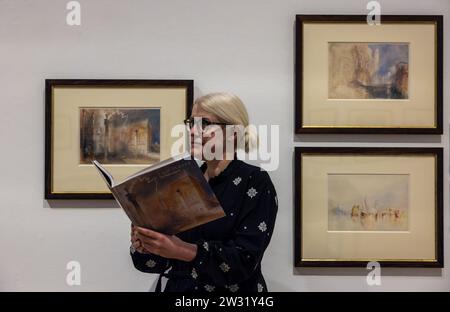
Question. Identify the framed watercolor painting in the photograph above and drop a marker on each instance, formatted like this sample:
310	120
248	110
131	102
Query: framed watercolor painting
356	205
124	124
351	77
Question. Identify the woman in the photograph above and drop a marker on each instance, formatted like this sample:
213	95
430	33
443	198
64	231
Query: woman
223	255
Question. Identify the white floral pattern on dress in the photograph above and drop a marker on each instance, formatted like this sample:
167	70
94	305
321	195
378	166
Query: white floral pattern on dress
224	267
150	263
194	273
233	288
276	200
251	192
260	287
209	288
237	180
132	249
262	226
206	246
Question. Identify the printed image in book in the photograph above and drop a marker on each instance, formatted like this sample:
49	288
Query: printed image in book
169	197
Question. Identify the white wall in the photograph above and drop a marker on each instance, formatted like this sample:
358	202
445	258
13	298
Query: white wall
242	46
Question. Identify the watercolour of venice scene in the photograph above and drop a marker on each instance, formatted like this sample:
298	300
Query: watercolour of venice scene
368	202
120	136
368	70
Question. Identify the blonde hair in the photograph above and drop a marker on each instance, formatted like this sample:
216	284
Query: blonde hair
229	108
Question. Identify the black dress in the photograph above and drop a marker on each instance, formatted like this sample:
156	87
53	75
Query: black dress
230	249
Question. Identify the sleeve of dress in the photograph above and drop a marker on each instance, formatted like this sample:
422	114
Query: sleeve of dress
148	263
227	263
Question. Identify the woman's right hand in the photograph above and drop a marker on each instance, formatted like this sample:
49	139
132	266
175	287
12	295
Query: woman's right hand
135	241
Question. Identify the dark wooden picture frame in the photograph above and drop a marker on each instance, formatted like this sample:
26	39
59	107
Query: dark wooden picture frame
300	261
50	84
300	127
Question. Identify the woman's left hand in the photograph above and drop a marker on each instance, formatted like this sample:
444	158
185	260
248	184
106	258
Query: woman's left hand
167	246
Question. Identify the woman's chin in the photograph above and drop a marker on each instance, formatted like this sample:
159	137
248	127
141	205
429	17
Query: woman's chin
196	151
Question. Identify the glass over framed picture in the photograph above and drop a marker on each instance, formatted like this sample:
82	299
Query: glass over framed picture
356	205
353	77
124	124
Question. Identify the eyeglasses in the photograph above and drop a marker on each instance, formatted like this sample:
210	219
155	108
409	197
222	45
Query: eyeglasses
190	122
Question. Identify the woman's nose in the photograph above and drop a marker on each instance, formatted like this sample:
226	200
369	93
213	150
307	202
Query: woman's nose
195	131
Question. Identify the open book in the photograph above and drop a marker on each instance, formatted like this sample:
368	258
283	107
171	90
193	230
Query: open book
171	196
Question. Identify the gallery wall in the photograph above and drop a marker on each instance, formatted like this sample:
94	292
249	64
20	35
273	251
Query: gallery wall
242	46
